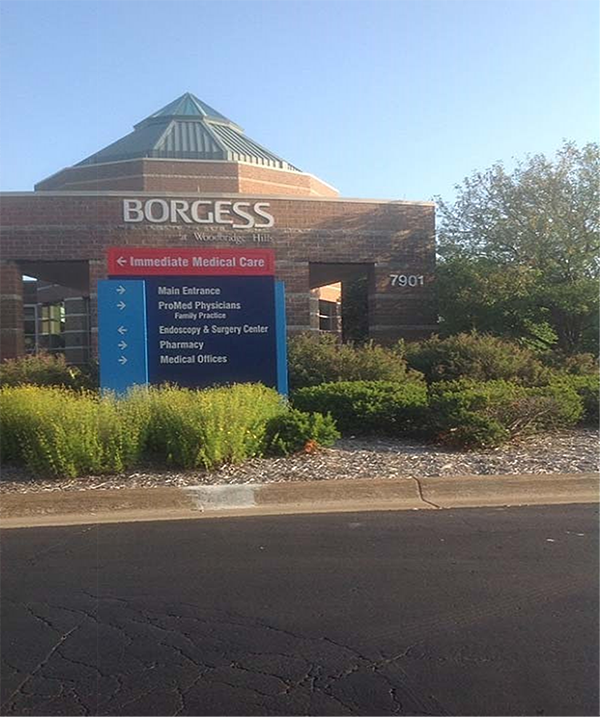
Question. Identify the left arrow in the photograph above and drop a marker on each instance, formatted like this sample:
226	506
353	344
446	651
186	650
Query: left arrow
121	305
121	261
122	360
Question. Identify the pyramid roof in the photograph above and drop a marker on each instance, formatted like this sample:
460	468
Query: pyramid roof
188	128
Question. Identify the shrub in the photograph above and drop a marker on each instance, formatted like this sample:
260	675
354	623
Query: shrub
43	369
192	429
59	432
475	414
20	410
90	375
588	389
295	430
367	406
475	356
577	364
315	359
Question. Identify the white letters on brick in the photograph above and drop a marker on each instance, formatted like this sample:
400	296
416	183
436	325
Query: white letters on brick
132	210
238	215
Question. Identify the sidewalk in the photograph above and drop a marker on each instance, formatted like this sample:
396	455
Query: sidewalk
18	510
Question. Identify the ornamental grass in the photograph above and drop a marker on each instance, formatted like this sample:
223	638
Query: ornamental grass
64	433
59	432
204	429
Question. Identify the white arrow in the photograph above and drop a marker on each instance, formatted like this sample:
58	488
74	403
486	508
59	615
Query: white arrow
122	360
122	345
122	330
121	261
121	305
121	289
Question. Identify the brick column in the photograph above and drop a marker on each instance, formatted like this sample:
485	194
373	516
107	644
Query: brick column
12	342
98	269
299	303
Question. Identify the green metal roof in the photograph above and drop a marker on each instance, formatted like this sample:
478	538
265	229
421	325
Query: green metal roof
188	128
187	106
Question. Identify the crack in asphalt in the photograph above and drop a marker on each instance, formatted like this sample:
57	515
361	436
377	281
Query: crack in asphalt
317	678
60	544
183	693
236	666
38	668
43	620
10	665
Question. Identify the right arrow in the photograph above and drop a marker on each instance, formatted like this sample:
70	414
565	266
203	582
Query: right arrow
122	360
121	289
122	345
121	305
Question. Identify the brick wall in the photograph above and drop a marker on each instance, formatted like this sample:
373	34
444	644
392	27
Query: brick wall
11	310
392	237
162	175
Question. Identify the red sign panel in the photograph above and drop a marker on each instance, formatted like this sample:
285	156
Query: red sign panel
142	261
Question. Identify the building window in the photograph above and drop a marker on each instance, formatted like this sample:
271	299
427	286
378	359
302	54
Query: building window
51	325
30	328
330	297
328	316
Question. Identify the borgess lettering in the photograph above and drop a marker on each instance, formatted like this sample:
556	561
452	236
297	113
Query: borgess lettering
238	215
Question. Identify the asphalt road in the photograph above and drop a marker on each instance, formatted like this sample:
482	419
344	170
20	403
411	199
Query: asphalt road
457	612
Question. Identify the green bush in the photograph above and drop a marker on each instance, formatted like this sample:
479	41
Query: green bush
192	429
43	369
60	432
588	389
296	430
20	410
321	358
577	364
477	357
486	414
367	406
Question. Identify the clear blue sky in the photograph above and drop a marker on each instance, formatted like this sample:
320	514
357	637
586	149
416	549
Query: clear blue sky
382	99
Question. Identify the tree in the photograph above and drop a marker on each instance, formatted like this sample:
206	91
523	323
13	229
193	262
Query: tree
519	252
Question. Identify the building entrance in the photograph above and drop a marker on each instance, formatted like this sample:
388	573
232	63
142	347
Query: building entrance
56	309
340	298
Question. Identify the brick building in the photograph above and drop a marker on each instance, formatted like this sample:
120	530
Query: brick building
188	176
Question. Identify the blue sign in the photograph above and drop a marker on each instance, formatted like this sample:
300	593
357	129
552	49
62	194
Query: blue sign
122	334
191	317
206	330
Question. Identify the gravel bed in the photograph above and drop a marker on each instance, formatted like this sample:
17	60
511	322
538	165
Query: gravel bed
570	451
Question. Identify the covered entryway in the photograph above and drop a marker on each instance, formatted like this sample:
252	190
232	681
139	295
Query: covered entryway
340	298
51	309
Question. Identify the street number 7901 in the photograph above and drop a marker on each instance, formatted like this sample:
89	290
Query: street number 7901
406	280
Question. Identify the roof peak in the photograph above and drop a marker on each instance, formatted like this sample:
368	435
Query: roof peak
189	107
188	128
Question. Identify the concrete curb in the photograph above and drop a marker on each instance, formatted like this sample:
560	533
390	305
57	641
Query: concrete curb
511	490
138	504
